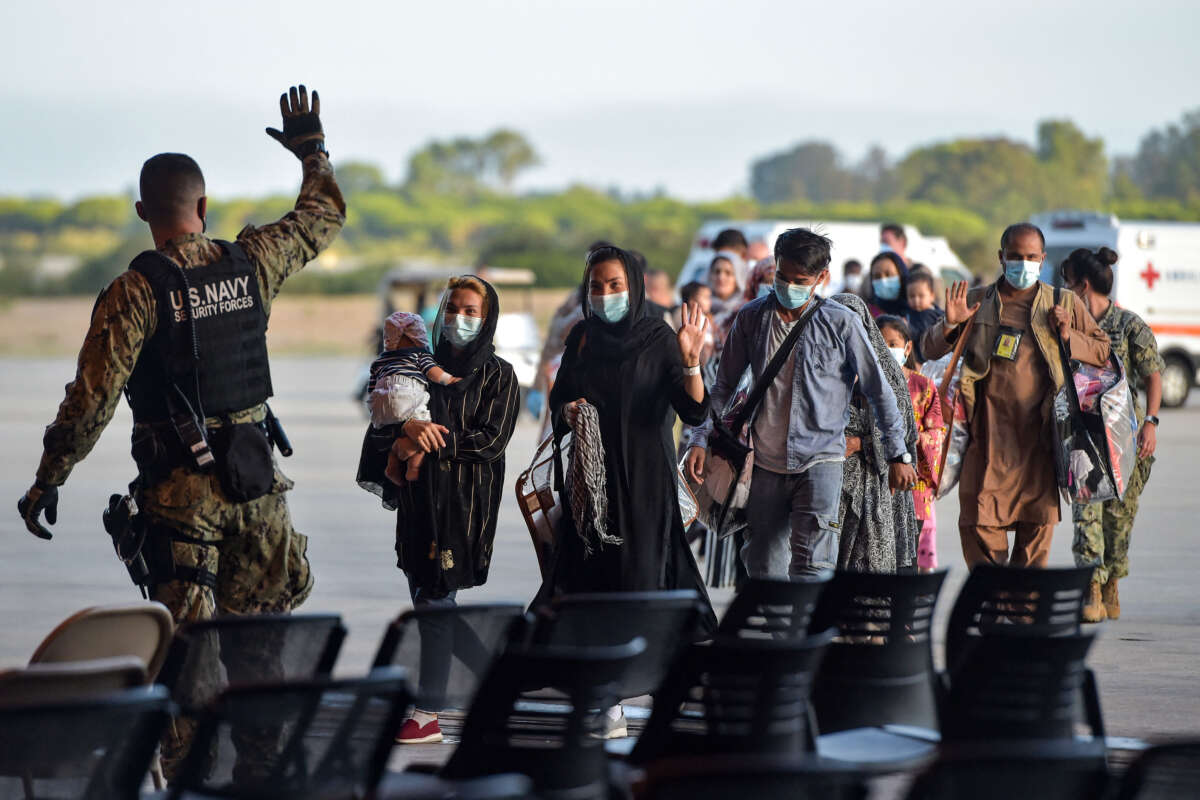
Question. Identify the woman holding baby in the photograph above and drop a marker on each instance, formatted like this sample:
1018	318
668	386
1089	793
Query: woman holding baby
446	507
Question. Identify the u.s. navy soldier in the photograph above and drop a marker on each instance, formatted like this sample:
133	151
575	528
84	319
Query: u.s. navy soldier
182	334
1103	530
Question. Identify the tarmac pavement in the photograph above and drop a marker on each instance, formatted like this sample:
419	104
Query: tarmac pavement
1146	663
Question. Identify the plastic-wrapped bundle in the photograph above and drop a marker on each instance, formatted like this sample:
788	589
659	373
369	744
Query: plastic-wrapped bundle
953	409
1095	456
1118	410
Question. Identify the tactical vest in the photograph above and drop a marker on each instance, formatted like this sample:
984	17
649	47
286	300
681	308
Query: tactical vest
210	340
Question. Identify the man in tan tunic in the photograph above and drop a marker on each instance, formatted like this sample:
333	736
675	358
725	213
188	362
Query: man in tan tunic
1012	369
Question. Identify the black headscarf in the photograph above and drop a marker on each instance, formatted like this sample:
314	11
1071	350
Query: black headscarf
899	306
615	340
466	362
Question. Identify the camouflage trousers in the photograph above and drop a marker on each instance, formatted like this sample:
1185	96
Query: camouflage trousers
1102	530
259	561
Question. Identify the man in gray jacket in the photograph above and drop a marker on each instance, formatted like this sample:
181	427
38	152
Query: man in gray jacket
798	430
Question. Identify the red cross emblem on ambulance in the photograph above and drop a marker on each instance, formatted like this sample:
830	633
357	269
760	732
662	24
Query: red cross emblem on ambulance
1150	275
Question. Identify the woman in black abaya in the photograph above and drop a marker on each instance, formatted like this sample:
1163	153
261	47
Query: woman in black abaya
637	374
446	519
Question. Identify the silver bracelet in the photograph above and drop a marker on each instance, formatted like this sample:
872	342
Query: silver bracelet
689	371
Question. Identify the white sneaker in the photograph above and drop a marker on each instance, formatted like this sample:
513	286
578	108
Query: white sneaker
615	726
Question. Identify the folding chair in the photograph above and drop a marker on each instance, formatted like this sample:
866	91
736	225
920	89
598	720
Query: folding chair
735	696
74	680
763	777
559	748
137	629
1164	772
666	620
994	600
447	651
208	656
773	608
98	748
314	738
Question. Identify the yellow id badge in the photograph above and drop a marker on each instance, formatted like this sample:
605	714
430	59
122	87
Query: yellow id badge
1007	342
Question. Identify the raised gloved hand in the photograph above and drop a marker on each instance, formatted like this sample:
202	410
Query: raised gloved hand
302	133
39	498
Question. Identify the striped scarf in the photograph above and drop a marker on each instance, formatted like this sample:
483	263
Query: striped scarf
585	481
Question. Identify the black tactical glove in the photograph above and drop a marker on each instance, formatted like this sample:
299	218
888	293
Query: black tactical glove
301	132
39	497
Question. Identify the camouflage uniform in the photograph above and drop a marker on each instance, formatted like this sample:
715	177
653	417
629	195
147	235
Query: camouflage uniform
1102	530
260	561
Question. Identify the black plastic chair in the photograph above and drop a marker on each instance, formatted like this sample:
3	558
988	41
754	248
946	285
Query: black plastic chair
560	748
448	651
94	749
1165	772
770	777
207	657
879	669
297	739
418	786
666	620
1012	770
1022	688
995	600
768	608
735	696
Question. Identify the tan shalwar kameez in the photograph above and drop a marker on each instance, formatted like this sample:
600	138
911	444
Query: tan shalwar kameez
1008	476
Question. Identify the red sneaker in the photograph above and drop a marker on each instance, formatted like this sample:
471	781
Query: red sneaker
413	733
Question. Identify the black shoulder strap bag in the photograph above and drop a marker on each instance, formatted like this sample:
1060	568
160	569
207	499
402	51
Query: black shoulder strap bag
725	441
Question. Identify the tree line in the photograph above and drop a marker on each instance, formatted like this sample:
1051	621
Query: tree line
456	205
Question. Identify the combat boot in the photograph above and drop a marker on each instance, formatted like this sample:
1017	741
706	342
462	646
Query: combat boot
1112	601
1093	610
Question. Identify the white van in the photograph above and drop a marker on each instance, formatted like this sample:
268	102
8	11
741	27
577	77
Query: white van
857	240
1157	278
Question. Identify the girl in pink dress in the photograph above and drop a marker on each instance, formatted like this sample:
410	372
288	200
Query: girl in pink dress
931	433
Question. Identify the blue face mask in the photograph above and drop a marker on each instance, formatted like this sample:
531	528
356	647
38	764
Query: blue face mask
1022	274
791	295
460	330
763	290
886	288
610	307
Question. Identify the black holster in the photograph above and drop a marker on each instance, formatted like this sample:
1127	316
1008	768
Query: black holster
126	527
159	552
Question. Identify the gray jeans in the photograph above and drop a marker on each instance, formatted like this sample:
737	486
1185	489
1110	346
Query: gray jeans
793	522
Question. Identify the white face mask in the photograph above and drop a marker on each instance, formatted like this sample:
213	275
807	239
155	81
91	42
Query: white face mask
1022	274
853	281
898	354
461	330
610	307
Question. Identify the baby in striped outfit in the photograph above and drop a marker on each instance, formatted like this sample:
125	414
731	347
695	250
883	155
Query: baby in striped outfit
398	389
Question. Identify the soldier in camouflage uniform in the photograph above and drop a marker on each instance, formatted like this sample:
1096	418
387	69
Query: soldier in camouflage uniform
229	557
1102	530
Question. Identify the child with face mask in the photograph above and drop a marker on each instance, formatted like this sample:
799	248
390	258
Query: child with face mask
923	311
927	407
398	387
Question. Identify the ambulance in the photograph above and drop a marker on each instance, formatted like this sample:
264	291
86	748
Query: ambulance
1157	278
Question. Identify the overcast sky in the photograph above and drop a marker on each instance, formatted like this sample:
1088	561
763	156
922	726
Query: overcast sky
681	95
